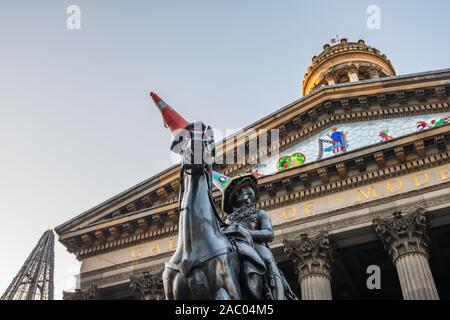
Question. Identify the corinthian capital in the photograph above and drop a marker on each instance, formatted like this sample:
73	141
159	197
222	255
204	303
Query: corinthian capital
310	254
403	234
93	293
147	285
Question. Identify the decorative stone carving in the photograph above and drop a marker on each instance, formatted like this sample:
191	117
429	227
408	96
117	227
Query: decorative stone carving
312	114
287	183
342	169
379	159
330	78
441	92
312	258
441	143
400	153
271	190
147	285
345	103
419	146
363	102
100	236
93	293
403	233
374	72
323	174
328	105
382	99
310	255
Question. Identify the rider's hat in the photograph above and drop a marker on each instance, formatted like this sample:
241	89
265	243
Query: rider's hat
230	186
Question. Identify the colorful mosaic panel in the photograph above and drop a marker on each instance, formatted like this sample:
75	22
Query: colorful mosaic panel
347	137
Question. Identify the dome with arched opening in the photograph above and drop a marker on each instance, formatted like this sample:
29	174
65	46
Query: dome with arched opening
346	62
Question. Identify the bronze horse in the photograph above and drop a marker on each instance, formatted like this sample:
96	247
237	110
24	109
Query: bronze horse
205	265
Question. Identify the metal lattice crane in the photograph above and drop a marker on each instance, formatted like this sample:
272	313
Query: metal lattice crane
34	281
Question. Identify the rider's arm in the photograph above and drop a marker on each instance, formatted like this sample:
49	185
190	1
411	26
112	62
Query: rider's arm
265	233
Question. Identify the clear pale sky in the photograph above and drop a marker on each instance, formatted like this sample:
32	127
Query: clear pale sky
77	125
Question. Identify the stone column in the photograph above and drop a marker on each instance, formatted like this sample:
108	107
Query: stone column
406	239
353	73
331	79
147	285
312	258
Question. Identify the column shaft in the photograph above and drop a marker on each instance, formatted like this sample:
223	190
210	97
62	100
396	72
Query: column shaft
315	287
415	277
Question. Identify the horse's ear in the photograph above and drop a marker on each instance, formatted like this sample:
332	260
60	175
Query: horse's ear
208	133
178	139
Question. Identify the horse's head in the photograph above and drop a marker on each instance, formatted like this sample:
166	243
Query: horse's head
195	144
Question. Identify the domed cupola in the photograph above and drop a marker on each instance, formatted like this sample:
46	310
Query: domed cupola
343	61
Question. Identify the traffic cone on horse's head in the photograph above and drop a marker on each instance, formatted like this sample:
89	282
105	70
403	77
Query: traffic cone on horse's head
175	122
171	118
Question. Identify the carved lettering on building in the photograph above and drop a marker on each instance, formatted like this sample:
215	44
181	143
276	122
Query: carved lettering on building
309	206
421	179
362	194
289	213
395	186
444	174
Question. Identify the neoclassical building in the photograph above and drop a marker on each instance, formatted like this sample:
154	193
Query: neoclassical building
359	189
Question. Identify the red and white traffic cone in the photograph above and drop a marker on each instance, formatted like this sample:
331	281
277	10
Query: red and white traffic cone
171	118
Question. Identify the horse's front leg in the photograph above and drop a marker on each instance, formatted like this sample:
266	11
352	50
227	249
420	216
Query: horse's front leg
198	284
232	287
180	287
228	270
167	277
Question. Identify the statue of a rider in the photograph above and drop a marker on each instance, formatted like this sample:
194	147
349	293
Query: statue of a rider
205	263
251	231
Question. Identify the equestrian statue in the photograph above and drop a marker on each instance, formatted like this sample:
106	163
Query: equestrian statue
216	259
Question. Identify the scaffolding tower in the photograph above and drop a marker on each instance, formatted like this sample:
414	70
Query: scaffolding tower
34	281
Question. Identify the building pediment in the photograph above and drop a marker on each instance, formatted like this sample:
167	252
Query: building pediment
150	208
361	167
